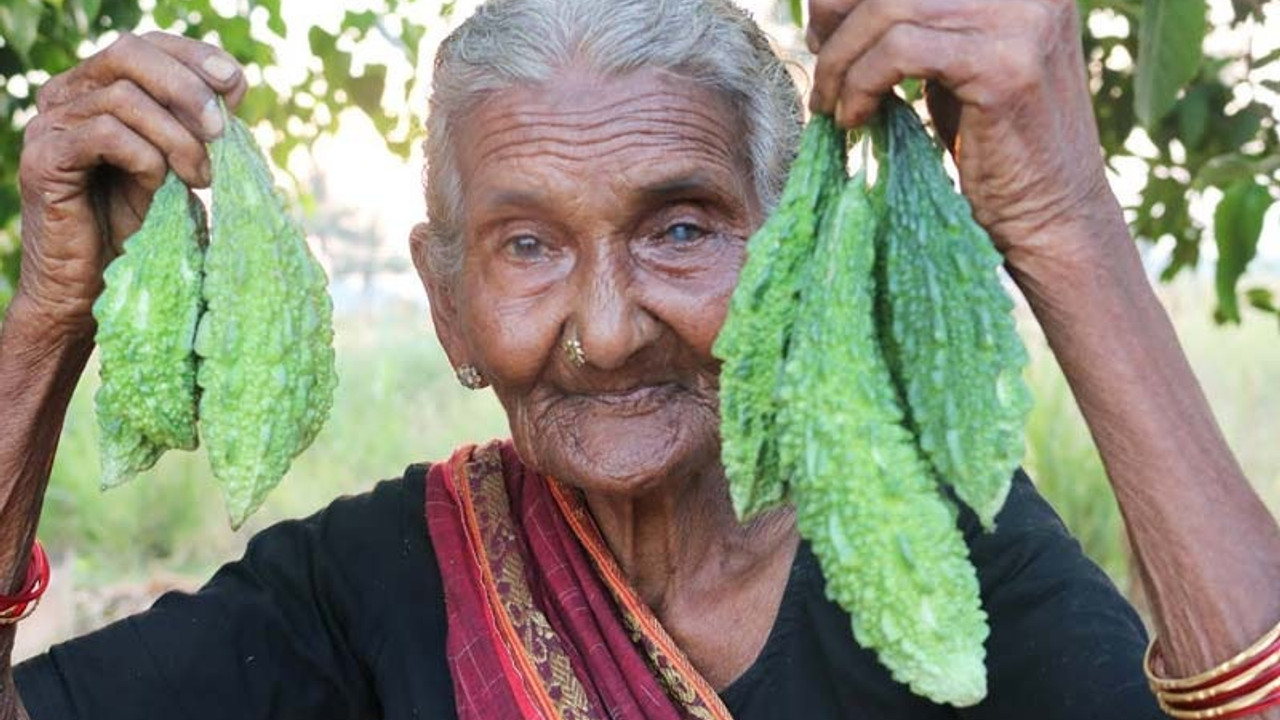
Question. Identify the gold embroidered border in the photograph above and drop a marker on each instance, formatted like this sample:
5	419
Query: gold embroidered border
536	648
683	682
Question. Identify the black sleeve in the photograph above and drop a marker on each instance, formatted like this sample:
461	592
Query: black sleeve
1065	644
279	634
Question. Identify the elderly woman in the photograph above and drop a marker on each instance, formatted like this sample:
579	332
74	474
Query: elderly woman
595	167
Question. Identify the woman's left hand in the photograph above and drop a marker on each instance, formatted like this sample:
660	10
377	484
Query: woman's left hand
1029	156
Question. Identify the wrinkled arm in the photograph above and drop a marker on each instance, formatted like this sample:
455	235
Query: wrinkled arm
38	373
1030	164
1207	547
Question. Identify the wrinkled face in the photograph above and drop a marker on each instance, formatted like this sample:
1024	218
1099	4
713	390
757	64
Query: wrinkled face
615	211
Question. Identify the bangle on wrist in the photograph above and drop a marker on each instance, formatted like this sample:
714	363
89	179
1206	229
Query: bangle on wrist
1244	685
20	605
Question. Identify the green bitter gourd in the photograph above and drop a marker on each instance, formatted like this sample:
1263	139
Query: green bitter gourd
147	316
888	542
266	339
754	338
945	321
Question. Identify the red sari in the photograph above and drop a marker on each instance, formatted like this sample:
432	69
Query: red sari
542	623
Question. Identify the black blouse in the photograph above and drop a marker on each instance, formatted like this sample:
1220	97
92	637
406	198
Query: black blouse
341	617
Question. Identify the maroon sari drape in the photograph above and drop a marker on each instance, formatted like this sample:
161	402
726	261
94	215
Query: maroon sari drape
542	623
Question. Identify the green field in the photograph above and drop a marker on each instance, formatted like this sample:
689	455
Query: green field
398	403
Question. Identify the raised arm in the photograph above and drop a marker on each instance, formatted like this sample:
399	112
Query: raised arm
1030	163
106	133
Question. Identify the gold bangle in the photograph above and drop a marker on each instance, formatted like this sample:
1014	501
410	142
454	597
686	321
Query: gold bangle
1195	681
1234	683
1236	705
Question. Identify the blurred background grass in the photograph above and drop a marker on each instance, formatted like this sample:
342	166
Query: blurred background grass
398	403
1239	369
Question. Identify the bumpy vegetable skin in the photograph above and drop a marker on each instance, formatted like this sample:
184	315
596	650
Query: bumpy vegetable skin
888	542
754	338
147	316
266	338
945	321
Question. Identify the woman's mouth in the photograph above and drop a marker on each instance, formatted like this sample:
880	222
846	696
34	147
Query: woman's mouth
634	400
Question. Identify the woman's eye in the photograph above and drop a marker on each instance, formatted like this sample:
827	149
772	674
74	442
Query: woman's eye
684	233
526	247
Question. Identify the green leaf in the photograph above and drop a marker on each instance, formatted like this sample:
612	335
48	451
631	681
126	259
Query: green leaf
366	90
20	24
275	21
322	43
1230	168
1170	47
165	15
84	13
359	21
1193	116
1262	299
797	12
1237	225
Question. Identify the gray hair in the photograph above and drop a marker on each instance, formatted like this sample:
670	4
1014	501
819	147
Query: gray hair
509	43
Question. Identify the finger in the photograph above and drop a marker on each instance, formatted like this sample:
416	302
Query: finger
904	51
55	167
124	216
184	152
824	17
215	65
166	79
867	24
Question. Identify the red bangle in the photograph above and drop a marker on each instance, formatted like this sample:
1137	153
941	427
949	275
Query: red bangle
18	607
1265	704
1245	685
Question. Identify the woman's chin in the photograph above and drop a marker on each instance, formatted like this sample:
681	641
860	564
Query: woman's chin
605	449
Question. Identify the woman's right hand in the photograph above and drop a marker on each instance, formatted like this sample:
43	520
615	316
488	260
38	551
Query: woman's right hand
105	134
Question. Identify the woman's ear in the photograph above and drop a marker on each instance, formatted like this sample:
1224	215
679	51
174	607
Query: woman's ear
444	312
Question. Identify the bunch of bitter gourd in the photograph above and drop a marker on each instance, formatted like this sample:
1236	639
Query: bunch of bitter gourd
878	363
229	337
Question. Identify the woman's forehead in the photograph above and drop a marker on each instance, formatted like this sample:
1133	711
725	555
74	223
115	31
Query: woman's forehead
646	129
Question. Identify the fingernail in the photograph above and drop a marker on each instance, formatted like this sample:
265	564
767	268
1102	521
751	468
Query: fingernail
838	112
219	68
211	118
811	40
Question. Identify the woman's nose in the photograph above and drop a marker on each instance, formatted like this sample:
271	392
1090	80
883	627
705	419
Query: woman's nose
610	322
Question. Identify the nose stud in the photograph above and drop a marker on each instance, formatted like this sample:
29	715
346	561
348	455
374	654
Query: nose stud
573	351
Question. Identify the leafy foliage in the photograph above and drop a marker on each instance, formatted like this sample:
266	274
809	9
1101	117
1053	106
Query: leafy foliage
1237	225
1210	120
1208	116
1170	42
41	38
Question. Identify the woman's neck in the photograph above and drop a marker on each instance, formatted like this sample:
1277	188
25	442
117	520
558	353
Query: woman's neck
682	542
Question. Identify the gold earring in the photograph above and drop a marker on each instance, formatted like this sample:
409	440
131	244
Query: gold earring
573	351
469	376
